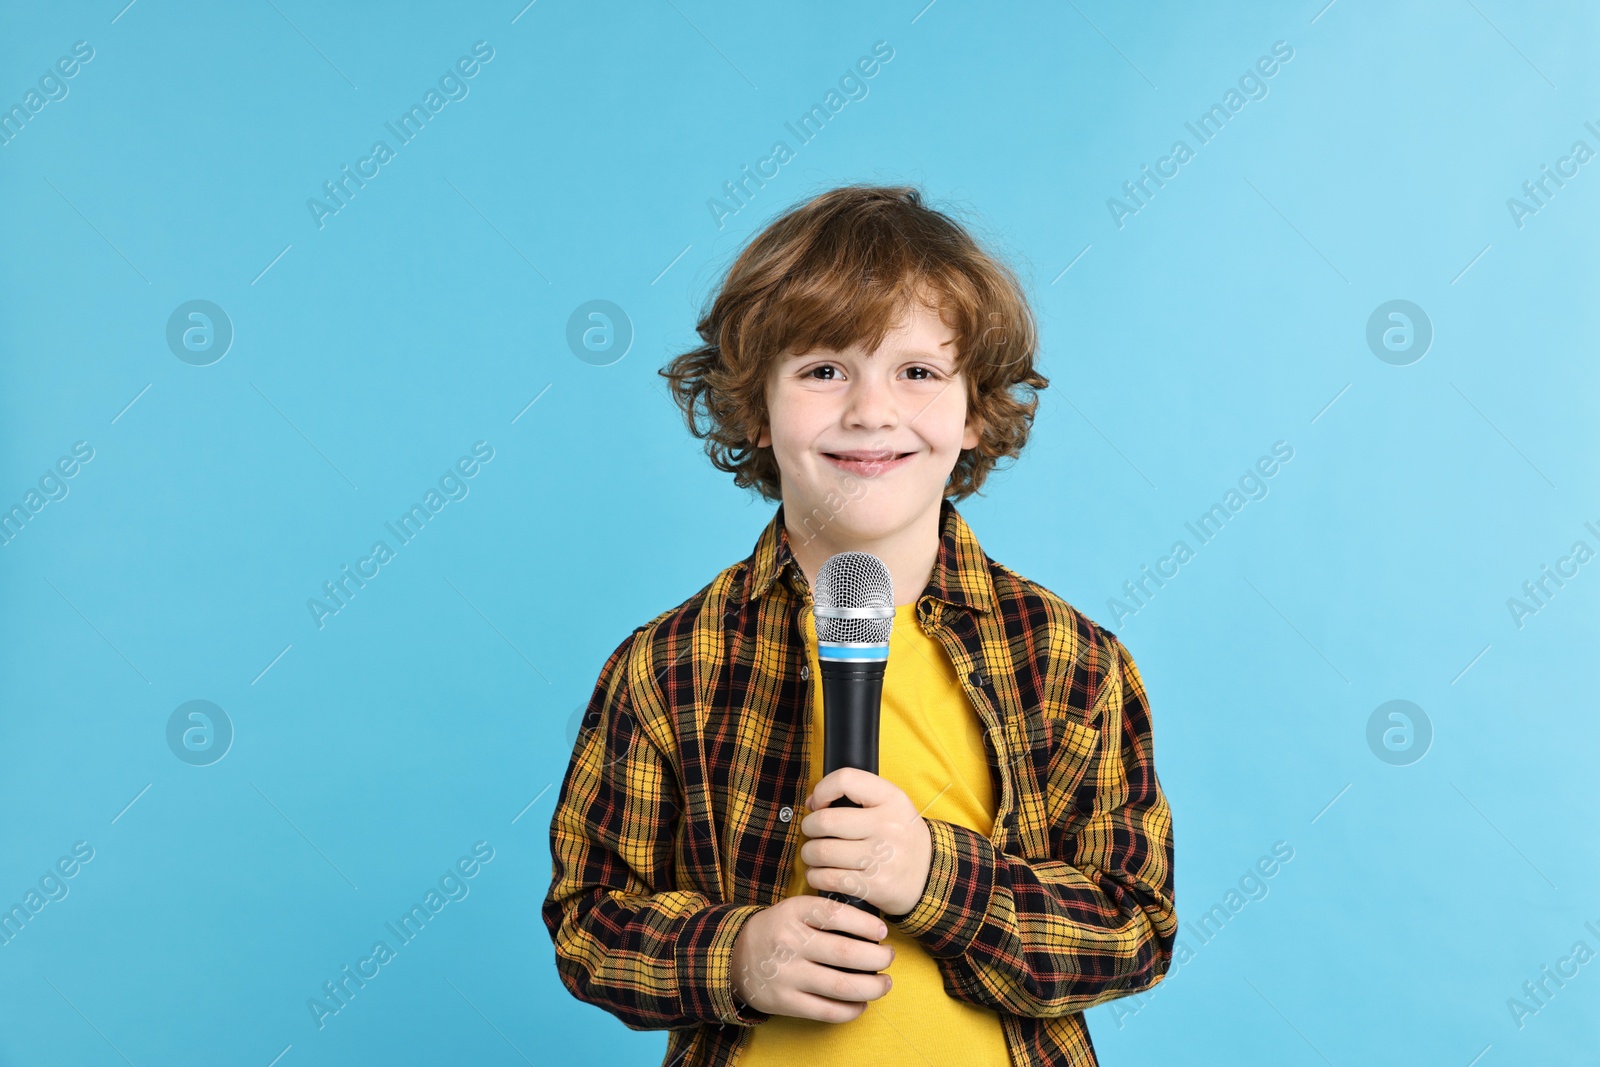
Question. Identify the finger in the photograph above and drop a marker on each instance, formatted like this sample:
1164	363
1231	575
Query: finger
837	852
852	823
863	787
810	1006
860	925
858	884
839	951
823	913
835	984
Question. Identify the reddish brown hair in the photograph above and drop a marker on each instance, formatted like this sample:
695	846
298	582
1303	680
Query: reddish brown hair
837	270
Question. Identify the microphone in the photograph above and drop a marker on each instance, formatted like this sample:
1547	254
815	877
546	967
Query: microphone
854	606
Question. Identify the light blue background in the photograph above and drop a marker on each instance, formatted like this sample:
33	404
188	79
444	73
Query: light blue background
433	711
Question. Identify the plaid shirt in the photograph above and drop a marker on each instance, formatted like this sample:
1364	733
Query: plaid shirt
680	811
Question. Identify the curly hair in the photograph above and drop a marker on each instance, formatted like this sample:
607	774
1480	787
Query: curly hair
836	270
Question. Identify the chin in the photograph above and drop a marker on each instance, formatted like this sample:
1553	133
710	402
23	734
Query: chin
868	515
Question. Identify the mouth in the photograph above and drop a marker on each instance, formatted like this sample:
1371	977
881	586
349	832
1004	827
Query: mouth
868	463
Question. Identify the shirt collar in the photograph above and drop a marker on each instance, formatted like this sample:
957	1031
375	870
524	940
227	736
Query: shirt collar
960	570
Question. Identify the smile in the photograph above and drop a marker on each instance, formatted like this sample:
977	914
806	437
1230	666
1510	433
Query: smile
872	466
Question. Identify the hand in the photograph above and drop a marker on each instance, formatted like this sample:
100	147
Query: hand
879	852
786	960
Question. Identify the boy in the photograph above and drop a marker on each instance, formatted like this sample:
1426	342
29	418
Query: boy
859	366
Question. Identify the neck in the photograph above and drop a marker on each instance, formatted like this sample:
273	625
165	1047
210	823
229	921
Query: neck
909	550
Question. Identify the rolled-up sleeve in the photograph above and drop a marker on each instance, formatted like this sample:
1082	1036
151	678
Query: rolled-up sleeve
625	939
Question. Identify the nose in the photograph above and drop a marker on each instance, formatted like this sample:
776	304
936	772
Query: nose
871	405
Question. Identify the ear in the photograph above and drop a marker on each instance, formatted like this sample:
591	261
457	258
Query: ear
764	439
970	438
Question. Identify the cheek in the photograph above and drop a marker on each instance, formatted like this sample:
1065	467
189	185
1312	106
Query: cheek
947	422
801	419
783	435
779	420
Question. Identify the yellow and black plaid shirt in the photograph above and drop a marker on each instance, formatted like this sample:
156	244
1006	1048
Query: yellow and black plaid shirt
679	816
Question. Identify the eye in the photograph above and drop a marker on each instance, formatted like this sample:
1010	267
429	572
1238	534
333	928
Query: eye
820	368
929	371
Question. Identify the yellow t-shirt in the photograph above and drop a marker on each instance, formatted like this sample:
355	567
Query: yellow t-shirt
930	744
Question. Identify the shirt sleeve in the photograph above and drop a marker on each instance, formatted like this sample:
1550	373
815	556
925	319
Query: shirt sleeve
626	940
1043	938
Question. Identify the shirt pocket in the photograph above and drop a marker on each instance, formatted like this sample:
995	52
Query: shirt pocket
1073	747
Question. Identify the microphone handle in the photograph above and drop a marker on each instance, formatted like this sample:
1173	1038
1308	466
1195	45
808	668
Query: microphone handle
852	699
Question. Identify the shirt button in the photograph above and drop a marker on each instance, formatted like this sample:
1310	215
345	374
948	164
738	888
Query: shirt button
978	679
805	671
785	813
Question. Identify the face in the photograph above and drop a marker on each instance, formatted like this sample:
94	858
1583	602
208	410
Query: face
865	441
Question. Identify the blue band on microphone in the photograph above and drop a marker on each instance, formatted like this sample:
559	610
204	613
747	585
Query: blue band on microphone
851	651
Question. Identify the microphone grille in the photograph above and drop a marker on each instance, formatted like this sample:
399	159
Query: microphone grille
854	580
